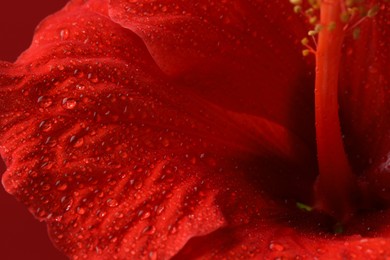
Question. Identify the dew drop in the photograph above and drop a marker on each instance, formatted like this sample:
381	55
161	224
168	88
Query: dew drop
145	215
152	255
321	251
112	203
276	247
93	78
49	141
46	187
149	230
159	210
61	186
40	213
172	230
67	202
44	102
101	214
72	139
138	185
45	126
78	143
80	210
80	87
64	34
78	73
69	103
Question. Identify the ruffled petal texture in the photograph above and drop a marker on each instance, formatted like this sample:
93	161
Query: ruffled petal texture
156	129
117	158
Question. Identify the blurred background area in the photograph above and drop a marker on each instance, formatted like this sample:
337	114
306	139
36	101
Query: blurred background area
21	236
18	19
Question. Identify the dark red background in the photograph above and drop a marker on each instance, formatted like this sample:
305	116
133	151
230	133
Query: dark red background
21	236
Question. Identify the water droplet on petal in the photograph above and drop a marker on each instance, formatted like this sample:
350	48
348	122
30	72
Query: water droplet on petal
44	102
61	186
145	215
92	78
321	251
72	139
67	202
100	214
78	143
80	87
45	126
159	210
276	247
80	210
69	103
64	34
149	230
45	187
152	255
172	230
112	203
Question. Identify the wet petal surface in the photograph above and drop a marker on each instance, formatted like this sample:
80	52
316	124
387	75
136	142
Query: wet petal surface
128	147
115	157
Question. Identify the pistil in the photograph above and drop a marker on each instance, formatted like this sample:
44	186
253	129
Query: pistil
336	190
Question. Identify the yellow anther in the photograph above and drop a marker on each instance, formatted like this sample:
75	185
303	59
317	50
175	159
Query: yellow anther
314	3
316	30
313	19
305	41
309	12
373	11
297	9
318	27
331	26
305	52
349	3
344	17
296	2
353	10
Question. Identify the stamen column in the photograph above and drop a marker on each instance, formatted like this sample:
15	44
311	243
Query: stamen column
336	191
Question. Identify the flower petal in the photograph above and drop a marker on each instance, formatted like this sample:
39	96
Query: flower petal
365	99
282	237
243	55
113	156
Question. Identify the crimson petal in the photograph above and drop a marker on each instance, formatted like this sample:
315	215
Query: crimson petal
364	97
243	55
117	160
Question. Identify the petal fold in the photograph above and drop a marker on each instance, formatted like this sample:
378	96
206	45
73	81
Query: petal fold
117	157
244	55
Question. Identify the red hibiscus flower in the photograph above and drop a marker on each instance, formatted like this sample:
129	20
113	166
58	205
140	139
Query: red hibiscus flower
173	129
